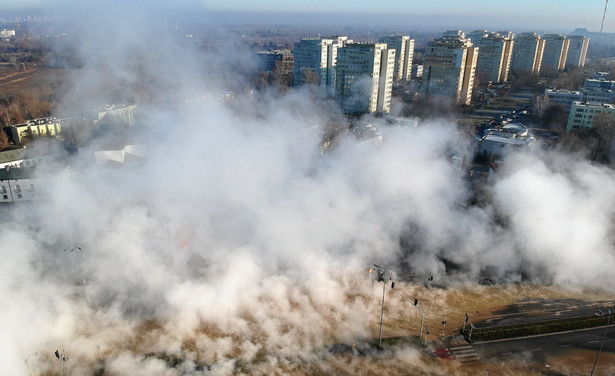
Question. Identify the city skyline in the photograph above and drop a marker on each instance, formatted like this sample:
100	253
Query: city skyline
523	14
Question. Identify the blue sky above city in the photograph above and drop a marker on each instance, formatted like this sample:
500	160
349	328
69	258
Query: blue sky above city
542	14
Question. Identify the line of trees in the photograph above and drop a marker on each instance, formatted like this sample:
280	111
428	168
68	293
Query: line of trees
26	105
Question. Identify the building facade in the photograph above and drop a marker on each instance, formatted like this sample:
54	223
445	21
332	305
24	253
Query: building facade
582	114
555	52
449	68
528	53
404	50
577	51
364	78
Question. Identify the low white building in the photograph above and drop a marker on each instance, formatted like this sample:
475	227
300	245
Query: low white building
18	184
565	98
112	155
582	114
500	141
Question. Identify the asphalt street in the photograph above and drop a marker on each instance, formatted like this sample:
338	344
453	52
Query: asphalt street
536	348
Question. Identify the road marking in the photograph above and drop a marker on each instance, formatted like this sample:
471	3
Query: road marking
537	349
594	341
565	345
455	348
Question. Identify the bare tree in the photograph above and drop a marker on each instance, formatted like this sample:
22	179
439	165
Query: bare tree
311	77
4	140
555	117
604	125
13	60
541	103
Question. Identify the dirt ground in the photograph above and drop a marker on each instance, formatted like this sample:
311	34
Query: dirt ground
11	81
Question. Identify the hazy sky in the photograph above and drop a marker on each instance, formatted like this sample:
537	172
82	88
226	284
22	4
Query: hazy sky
549	14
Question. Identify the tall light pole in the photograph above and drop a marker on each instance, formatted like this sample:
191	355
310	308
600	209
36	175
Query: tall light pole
415	306
608	319
29	365
604	15
76	247
381	270
63	358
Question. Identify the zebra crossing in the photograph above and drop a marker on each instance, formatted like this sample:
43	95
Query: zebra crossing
464	353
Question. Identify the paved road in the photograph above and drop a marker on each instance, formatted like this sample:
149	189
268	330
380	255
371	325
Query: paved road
536	348
534	310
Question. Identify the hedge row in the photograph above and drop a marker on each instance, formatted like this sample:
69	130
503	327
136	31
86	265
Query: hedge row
529	329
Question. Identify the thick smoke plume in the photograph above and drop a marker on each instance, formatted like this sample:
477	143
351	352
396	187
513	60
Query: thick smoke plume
238	246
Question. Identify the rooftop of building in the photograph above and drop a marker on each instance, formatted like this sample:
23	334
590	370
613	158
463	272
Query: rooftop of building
276	52
508	140
594	105
12	155
39	121
561	91
17	173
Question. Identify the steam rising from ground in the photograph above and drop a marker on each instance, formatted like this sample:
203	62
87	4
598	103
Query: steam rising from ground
239	248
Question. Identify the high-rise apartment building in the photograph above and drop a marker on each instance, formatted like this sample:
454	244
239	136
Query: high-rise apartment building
449	67
404	51
495	54
272	59
555	52
315	60
364	78
527	54
577	51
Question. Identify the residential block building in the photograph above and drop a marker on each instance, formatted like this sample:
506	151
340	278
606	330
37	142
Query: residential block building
316	58
404	50
364	78
449	67
577	51
528	53
555	52
495	54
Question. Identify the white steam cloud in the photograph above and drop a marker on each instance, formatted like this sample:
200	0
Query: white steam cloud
237	247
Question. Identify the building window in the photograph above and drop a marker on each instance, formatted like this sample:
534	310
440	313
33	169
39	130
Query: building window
19	195
17	188
31	188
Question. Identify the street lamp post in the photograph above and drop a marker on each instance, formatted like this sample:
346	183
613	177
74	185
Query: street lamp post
608	319
74	248
381	270
415	306
29	365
